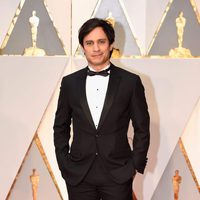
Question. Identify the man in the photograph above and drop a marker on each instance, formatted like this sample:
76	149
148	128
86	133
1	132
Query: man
99	101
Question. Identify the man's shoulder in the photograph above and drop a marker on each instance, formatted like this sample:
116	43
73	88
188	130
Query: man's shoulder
75	74
125	72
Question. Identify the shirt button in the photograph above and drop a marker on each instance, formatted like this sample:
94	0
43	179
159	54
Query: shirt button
96	154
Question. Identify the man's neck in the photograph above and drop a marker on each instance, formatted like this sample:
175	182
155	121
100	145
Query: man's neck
98	69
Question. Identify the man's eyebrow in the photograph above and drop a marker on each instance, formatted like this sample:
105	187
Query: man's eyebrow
97	40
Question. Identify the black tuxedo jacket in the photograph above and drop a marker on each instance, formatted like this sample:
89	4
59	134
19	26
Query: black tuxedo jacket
125	101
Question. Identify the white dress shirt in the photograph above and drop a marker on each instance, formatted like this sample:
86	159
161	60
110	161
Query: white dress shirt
96	88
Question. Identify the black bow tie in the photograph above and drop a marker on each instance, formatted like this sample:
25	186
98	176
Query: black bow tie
101	73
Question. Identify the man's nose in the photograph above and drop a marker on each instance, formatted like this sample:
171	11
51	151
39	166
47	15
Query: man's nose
96	47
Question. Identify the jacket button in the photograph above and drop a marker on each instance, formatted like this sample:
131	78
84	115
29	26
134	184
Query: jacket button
97	135
96	154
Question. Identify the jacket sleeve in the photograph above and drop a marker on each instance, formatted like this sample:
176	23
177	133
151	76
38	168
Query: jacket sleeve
62	125
140	121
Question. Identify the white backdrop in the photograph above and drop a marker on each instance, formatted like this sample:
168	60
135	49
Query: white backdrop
29	90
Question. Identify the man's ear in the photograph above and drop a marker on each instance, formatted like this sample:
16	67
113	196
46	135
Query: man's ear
82	48
111	46
111	49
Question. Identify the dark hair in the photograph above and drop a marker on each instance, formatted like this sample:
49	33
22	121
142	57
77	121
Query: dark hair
93	23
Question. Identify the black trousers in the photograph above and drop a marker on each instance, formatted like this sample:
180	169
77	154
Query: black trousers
98	185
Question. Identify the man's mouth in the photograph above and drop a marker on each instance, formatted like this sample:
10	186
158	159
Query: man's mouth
96	55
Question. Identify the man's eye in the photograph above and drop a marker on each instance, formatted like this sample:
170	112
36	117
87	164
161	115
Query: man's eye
102	41
89	43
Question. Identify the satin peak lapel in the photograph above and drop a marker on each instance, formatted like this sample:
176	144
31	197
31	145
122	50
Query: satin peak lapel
113	86
81	91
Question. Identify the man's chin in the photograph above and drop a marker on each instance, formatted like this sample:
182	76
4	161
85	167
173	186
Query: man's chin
97	63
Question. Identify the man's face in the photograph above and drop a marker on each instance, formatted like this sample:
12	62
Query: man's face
97	49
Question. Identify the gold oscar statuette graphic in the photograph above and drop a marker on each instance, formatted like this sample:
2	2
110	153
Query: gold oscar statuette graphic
176	184
180	51
34	178
111	20
34	50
